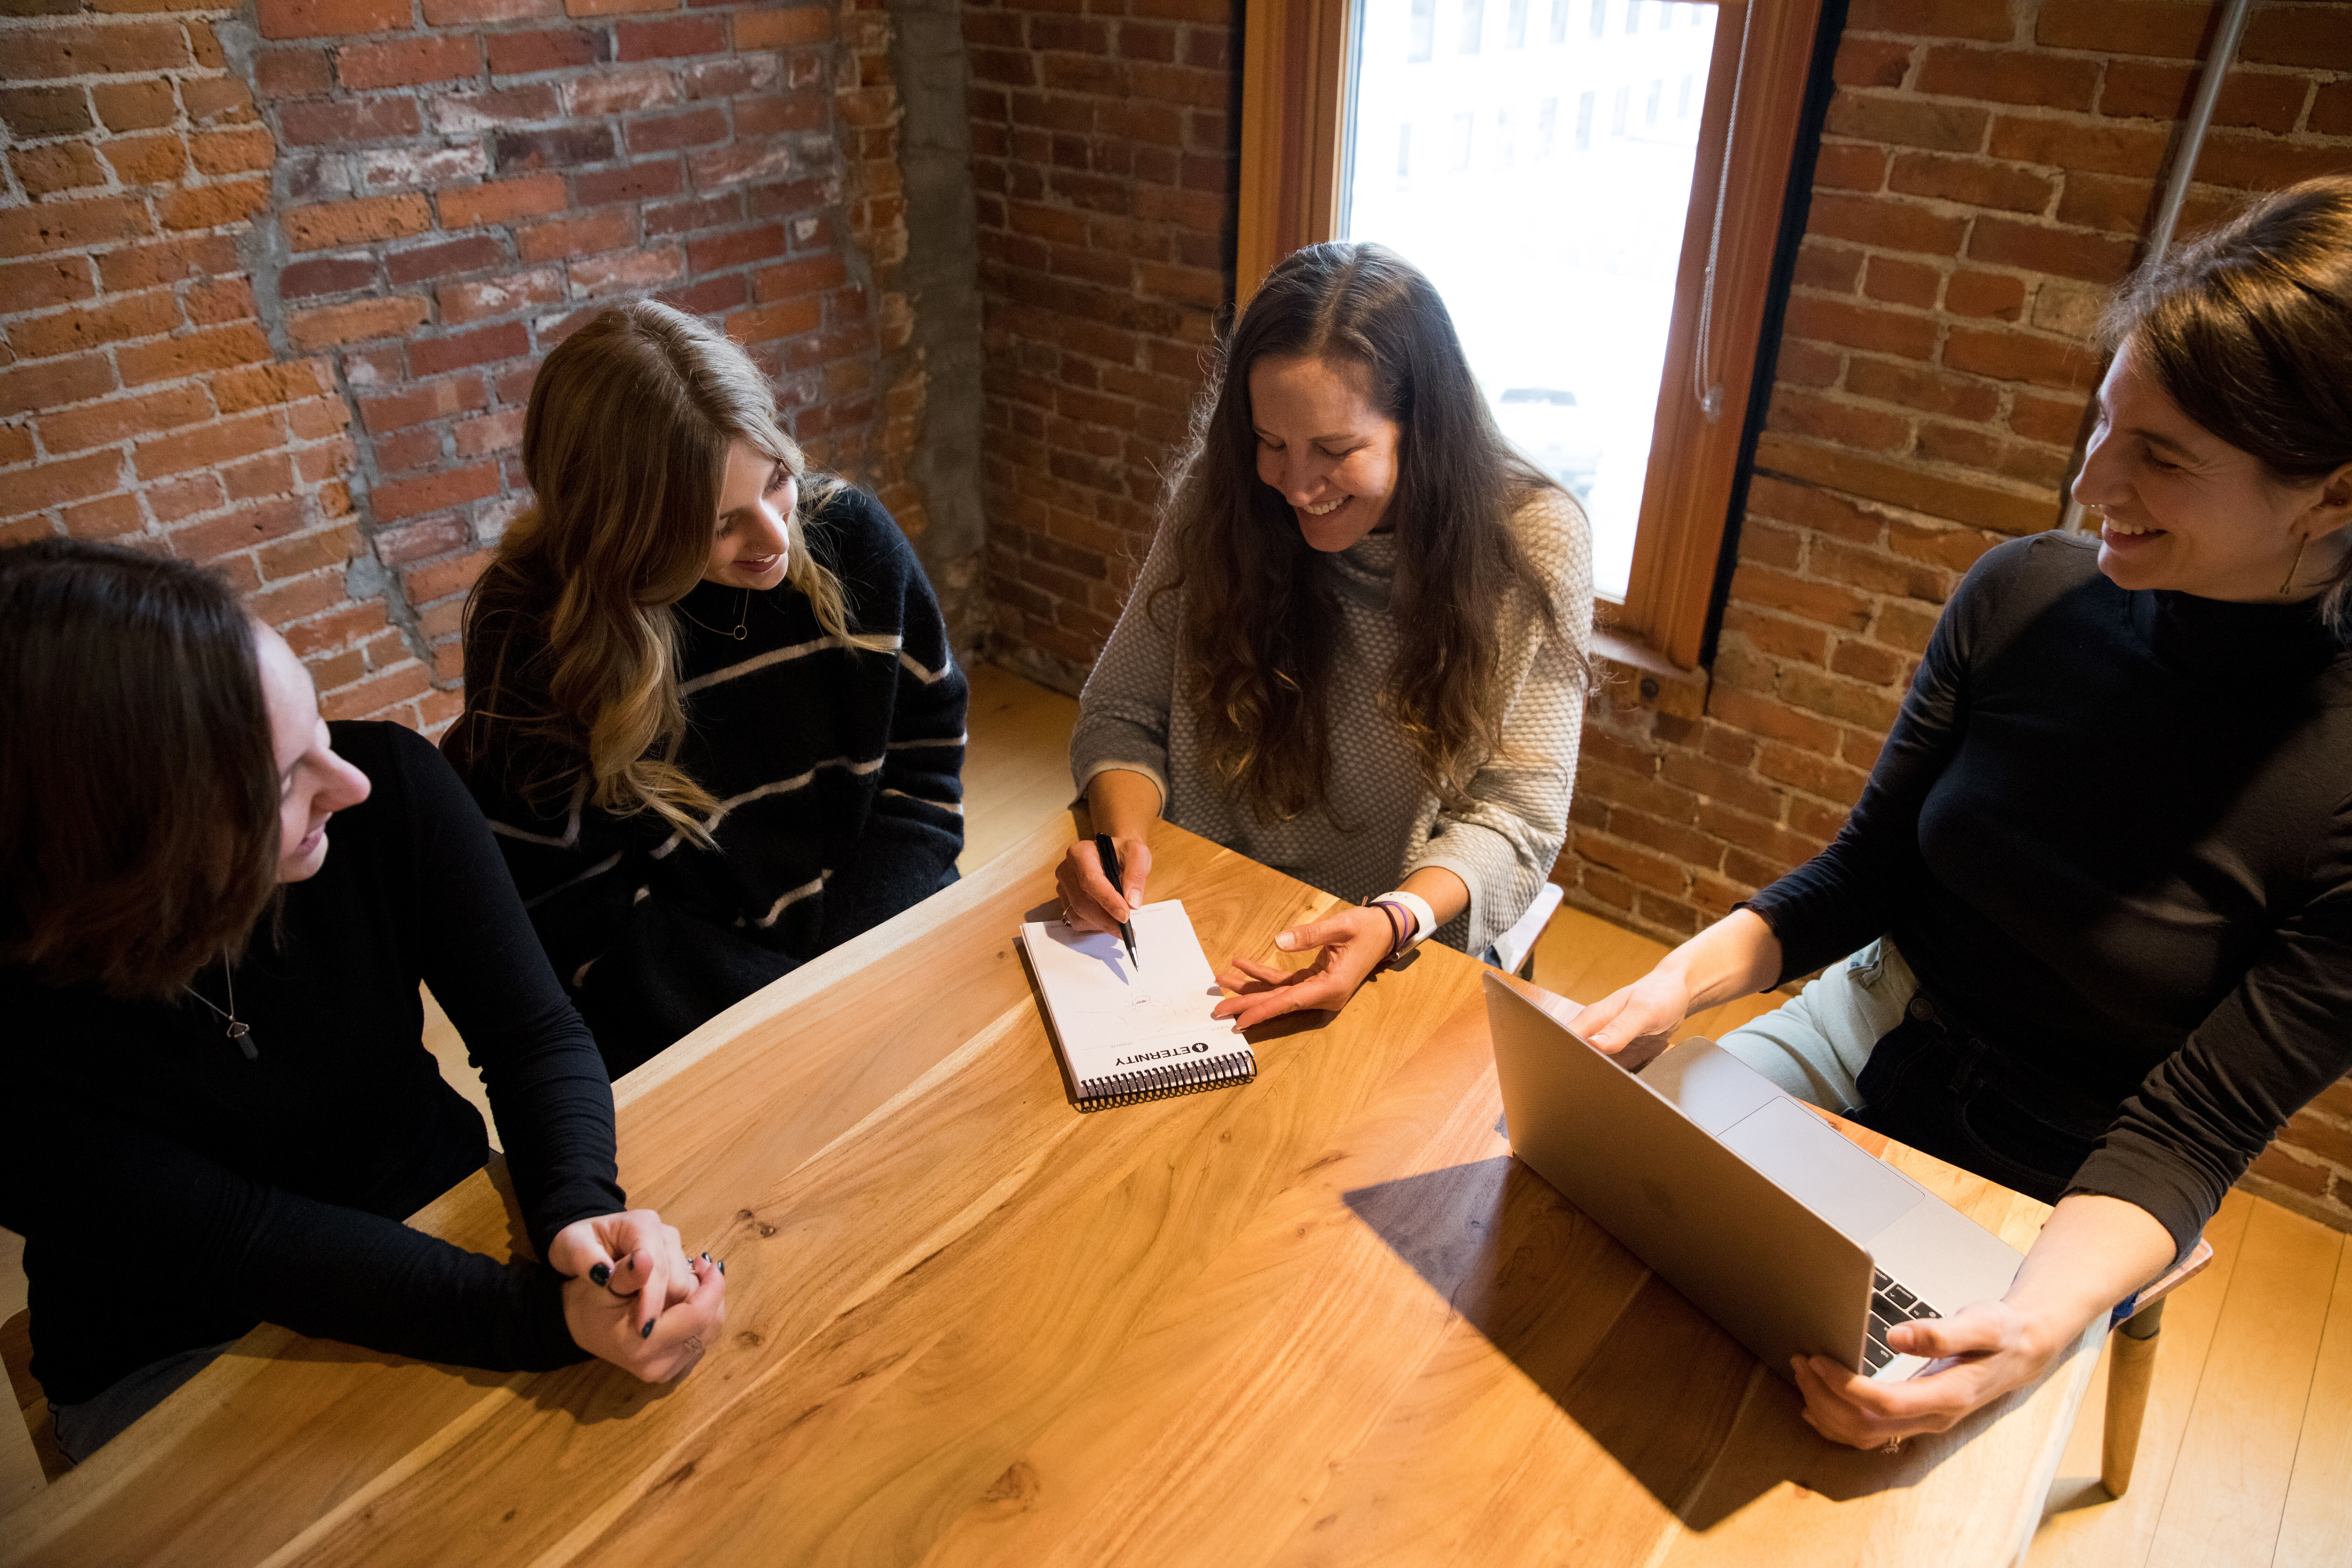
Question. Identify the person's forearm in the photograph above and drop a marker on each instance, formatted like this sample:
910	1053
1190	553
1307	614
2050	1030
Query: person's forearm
1122	803
1737	956
1444	893
2092	1253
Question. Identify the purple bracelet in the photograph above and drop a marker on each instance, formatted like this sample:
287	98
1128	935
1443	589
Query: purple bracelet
1395	911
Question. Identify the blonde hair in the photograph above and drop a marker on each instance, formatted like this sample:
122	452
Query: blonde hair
625	446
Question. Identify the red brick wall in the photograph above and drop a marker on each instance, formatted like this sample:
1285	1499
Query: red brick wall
277	306
1103	154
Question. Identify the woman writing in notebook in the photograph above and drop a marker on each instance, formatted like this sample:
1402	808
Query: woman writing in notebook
1357	649
2097	895
214	1023
711	711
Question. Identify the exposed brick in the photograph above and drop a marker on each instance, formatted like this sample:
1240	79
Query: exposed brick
470	253
1908	123
1850	166
588	234
518	54
460	12
331	19
1891	223
668	41
1860	326
325	326
2160	27
1978	182
124	106
355	222
1900	282
766	29
560	147
2261	100
465	303
31	112
60	225
2103	147
1877	478
392	499
2069	253
2009	76
136	316
191	354
211	207
347	121
631	183
36	285
103	424
500	201
450	575
409	62
210	446
64	166
37	54
459	350
1997	295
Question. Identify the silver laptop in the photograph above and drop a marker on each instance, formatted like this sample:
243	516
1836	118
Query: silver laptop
1792	1238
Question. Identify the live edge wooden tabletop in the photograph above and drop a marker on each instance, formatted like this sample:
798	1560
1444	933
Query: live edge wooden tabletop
1321	1319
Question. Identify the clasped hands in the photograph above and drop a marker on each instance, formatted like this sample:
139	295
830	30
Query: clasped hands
633	1298
1347	945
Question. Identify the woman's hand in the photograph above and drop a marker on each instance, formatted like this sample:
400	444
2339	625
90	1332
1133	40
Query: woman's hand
1977	1355
633	1298
1634	1022
1089	901
1352	944
2093	1251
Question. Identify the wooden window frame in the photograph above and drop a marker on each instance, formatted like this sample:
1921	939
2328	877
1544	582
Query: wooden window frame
1295	77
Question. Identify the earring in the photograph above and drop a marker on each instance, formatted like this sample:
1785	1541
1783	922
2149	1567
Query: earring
2288	586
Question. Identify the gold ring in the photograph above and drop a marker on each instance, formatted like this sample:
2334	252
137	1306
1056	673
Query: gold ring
1893	1446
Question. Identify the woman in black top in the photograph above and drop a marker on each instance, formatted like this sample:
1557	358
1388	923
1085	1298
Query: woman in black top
713	719
2103	867
214	1021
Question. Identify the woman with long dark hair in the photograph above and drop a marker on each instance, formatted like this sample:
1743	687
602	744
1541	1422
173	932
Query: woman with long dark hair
1357	650
214	1026
2089	928
710	709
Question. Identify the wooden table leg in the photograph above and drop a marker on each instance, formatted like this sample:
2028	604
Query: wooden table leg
2129	1373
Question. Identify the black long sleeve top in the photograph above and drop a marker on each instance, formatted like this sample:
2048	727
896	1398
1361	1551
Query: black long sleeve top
2111	831
272	1187
837	770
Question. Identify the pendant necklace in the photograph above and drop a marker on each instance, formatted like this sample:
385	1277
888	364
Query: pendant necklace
742	618
240	1032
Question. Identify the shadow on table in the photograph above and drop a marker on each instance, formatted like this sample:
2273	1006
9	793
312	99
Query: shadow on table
1639	1369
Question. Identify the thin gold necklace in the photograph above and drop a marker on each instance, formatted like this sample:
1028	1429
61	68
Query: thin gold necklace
241	1033
742	618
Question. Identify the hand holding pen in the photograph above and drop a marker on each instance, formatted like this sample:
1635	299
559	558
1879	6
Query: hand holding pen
1091	901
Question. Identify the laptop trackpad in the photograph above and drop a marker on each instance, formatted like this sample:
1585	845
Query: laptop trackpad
1807	1159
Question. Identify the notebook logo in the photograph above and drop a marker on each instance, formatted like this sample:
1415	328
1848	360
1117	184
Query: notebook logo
1197	1046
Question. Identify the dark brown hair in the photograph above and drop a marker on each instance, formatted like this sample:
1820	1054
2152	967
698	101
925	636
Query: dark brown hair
138	788
1261	614
570	644
2248	329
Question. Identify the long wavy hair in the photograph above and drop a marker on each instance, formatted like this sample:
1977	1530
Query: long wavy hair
1261	613
2248	329
572	643
139	835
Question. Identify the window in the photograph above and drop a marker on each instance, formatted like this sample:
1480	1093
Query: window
1633	15
1560	20
1473	23
1315	84
1514	28
1421	39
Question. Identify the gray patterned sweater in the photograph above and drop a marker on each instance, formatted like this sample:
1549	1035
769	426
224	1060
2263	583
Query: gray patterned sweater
1379	826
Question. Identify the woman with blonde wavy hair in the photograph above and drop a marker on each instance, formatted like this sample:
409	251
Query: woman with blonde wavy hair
710	708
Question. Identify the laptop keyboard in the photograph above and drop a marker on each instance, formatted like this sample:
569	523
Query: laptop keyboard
1889	1304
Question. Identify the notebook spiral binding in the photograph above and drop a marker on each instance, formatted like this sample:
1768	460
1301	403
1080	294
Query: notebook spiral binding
1164	1082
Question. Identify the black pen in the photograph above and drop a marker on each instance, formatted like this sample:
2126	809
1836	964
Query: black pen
1117	876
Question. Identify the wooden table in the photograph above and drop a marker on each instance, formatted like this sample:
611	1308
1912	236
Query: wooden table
1322	1319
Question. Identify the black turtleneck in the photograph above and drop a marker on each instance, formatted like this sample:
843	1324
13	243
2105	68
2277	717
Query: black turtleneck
2111	831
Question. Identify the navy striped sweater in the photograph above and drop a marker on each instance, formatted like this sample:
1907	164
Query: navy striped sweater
836	772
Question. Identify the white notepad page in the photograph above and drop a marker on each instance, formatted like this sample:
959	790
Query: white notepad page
1113	1018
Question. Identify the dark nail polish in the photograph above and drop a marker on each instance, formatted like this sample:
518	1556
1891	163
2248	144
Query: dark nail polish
646	1332
600	1273
706	1258
722	1268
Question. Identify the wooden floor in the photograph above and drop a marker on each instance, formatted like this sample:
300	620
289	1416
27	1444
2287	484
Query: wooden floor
2246	1455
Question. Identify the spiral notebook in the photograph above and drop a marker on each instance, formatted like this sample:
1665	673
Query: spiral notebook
1131	1032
